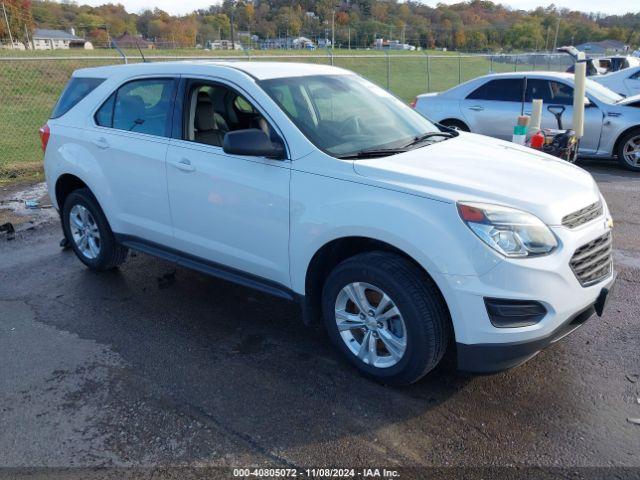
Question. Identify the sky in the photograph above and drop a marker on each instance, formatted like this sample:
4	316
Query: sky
186	6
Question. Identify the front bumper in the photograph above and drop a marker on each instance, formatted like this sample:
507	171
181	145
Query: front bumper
484	358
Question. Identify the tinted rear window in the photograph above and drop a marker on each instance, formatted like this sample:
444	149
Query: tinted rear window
502	90
76	90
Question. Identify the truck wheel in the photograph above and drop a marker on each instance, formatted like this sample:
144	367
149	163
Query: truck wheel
89	233
629	150
386	316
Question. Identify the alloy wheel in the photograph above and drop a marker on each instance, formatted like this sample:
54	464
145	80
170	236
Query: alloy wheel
631	151
84	231
370	325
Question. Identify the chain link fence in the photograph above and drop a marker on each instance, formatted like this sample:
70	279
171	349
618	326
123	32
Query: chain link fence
30	86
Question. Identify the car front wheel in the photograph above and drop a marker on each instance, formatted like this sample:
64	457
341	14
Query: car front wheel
386	316
629	150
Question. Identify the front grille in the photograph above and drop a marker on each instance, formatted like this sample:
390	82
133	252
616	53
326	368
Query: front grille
582	216
592	262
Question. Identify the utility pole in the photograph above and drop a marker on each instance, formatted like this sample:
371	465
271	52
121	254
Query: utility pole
333	29
233	43
555	39
349	37
546	42
26	32
6	19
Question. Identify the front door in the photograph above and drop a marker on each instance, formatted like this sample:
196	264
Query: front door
560	95
227	209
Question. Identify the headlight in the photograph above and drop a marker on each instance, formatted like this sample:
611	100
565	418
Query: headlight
511	232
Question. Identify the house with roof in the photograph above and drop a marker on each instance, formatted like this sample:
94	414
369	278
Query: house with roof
46	39
603	47
134	41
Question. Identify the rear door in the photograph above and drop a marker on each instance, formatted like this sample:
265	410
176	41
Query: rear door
493	108
130	141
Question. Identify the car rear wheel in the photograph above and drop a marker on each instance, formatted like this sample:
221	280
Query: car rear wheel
386	316
629	150
87	229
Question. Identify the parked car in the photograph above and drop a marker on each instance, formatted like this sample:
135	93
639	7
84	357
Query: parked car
312	184
616	63
593	65
605	65
489	105
624	82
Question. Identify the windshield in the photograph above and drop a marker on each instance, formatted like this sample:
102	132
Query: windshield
601	92
344	114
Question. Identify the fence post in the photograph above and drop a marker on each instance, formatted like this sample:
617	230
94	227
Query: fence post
388	71
548	61
428	73
330	53
491	64
515	64
459	68
535	56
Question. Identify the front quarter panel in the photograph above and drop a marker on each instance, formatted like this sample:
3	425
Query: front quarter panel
325	208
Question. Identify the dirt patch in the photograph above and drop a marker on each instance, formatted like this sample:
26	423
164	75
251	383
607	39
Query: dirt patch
25	206
21	172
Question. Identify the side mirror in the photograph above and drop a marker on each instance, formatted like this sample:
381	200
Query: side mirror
252	142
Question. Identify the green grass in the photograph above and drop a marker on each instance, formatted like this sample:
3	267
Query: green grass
29	88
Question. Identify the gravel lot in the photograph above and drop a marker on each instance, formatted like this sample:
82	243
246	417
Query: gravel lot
154	366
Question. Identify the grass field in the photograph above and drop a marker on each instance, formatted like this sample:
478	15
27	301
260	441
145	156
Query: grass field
31	84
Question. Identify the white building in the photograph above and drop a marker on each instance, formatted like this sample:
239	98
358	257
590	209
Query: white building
44	39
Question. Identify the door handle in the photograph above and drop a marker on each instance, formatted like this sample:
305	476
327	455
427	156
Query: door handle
101	142
476	108
184	164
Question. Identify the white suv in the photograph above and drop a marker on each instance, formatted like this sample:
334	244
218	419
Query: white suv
311	183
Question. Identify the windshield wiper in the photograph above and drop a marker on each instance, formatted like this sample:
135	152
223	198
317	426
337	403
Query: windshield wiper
426	136
372	153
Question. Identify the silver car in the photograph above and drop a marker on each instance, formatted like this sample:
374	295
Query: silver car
490	105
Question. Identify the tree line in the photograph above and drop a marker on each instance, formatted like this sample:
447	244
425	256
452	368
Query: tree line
477	25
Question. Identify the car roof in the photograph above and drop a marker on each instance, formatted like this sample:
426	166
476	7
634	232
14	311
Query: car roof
531	74
258	70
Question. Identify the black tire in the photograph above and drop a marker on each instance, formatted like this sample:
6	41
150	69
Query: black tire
111	254
419	300
620	150
455	124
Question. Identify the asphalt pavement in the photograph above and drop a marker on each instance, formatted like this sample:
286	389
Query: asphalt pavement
153	366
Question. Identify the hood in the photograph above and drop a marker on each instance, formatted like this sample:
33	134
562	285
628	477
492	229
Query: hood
478	168
633	101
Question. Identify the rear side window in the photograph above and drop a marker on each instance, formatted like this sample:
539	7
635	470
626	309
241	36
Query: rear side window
501	90
141	106
76	90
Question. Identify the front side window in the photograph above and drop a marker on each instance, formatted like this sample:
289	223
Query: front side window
215	109
345	114
76	90
141	106
549	91
500	90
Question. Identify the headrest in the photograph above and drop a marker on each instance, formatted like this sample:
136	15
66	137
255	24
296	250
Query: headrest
204	119
132	105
